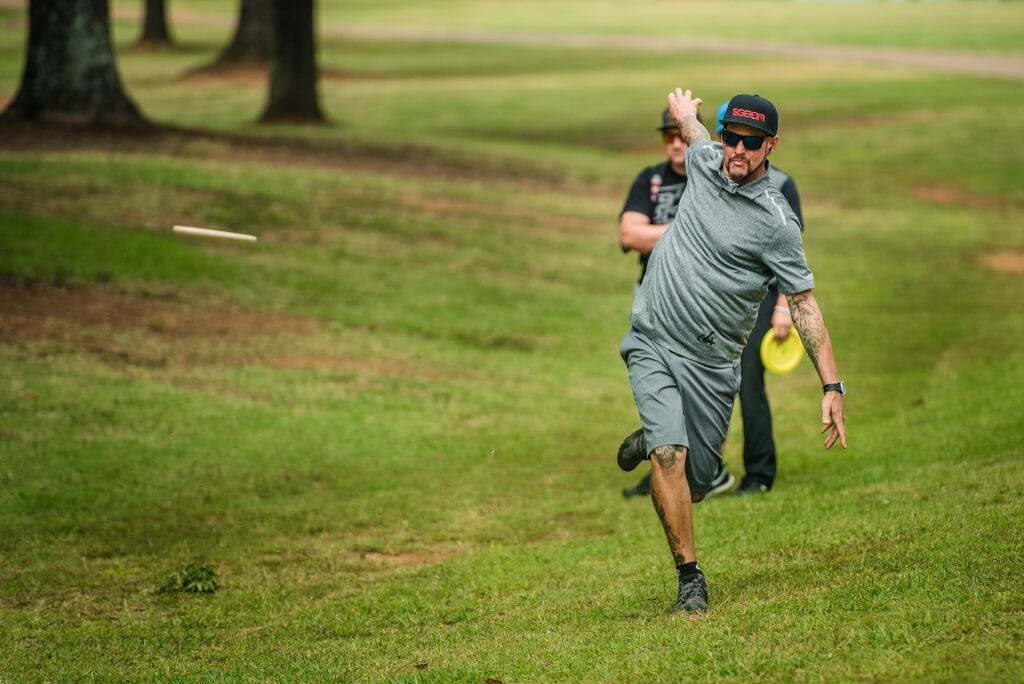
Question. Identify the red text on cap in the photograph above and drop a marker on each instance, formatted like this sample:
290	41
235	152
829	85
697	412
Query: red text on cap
747	114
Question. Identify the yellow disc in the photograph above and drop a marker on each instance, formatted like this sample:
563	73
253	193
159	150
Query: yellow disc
781	357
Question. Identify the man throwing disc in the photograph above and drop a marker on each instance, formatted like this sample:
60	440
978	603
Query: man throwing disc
696	306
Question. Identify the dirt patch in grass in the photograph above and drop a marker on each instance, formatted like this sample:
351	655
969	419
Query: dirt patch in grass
946	195
172	331
1004	262
139	330
31	309
404	558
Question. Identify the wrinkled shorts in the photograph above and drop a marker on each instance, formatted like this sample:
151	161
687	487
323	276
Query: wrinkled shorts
681	402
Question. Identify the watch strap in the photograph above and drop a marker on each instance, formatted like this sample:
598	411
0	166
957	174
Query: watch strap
834	387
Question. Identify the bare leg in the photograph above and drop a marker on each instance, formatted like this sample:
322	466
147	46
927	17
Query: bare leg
671	495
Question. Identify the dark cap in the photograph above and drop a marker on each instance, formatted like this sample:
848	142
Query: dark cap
667	124
751	110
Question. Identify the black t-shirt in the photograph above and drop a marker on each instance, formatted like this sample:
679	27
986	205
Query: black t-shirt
655	193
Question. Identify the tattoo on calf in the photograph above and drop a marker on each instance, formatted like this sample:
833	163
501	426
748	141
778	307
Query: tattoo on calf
665	455
675	543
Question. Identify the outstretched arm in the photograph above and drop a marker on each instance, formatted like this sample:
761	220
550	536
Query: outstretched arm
811	327
682	106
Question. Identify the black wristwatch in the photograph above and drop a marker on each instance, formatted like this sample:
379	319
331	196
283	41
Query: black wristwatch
835	387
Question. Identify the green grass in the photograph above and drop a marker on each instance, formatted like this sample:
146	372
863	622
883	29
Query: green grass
387	426
942	26
969	25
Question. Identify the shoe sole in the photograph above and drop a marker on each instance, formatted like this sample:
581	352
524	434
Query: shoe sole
724	487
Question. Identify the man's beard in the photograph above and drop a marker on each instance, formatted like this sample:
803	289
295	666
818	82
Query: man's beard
745	173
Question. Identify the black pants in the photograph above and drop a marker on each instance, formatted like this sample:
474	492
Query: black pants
758	443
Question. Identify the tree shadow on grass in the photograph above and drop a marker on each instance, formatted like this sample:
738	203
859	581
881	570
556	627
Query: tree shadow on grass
28	137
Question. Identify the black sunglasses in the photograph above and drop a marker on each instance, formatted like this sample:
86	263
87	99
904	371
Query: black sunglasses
751	142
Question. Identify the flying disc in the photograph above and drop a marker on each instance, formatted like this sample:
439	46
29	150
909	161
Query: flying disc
781	357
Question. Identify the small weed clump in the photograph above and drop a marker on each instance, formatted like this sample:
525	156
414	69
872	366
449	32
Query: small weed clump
192	579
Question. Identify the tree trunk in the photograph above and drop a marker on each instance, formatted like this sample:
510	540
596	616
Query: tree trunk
70	71
154	24
253	37
293	73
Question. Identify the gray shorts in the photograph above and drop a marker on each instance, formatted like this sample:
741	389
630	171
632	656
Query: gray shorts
681	402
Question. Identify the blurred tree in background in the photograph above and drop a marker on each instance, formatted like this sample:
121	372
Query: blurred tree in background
70	70
155	31
293	70
254	34
71	74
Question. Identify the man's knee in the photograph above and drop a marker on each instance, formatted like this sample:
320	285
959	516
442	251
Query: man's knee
667	456
670	461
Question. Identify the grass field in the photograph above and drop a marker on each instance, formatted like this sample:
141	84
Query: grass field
388	427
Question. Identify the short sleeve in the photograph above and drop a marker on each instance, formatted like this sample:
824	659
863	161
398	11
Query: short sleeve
784	256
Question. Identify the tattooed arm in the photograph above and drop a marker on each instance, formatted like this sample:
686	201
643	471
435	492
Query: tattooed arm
683	110
811	327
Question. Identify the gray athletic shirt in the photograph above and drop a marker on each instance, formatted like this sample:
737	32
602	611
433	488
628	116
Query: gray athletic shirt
710	270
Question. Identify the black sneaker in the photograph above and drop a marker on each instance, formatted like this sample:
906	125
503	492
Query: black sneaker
752	488
722	483
693	595
632	451
641	488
